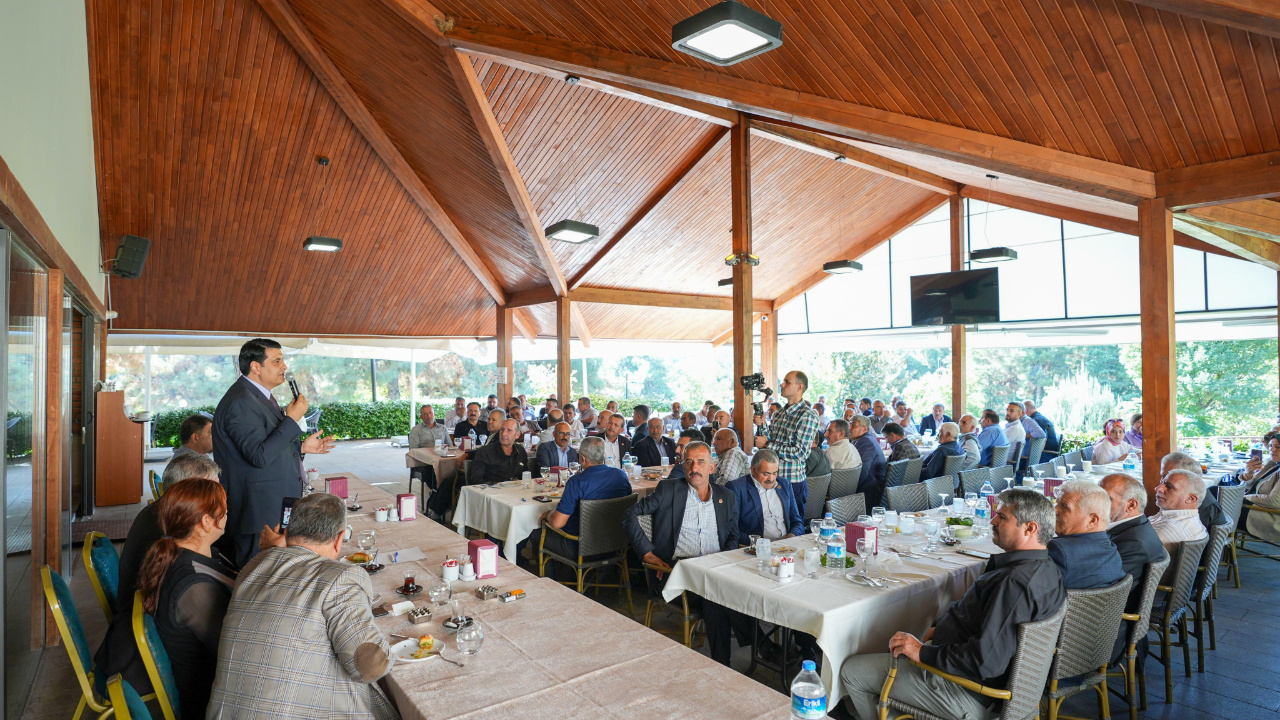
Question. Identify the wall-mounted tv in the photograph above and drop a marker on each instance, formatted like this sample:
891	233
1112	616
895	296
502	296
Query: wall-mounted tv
956	298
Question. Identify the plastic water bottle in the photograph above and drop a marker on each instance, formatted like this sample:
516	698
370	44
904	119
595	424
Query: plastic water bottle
835	557
472	435
808	696
1130	464
827	528
626	464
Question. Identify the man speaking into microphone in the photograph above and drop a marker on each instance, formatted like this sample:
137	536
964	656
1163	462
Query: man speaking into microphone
257	446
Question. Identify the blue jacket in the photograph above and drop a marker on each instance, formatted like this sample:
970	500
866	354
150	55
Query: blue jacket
548	456
751	514
989	437
1087	560
874	468
935	465
1051	442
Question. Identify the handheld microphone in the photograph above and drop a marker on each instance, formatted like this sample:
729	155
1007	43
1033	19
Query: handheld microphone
293	383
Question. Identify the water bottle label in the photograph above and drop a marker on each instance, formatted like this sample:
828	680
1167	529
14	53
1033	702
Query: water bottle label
835	550
803	707
826	532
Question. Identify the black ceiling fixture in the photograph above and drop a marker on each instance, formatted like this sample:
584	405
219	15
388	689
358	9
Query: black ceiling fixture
726	33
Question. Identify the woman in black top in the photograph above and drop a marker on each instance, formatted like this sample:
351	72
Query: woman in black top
186	590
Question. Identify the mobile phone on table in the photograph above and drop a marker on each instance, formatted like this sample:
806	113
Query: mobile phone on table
286	510
974	553
380	611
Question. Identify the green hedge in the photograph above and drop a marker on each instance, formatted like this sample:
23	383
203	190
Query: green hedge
626	407
1076	440
18	443
343	420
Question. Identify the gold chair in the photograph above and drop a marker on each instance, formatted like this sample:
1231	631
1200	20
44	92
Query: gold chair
157	487
125	701
65	616
155	658
103	566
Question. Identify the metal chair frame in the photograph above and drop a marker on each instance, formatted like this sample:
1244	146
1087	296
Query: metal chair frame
107	602
1202	590
1174	612
148	655
63	617
157	487
1231	500
613	552
1089	629
1137	630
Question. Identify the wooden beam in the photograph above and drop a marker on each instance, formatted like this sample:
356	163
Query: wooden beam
769	349
959	341
580	326
1256	16
855	156
464	73
743	338
525	324
1001	155
651	298
1247	247
1252	217
862	246
534	296
506	369
727	335
1159	349
49	528
332	79
1245	178
668	186
564	365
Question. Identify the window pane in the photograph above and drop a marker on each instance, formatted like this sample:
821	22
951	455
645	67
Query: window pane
1188	280
792	318
1031	286
855	301
1102	275
921	249
1239	284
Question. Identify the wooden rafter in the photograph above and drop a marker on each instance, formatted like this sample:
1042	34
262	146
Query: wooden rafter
1250	247
827	147
727	335
1216	183
668	186
1258	16
1253	217
331	78
579	324
650	298
526	324
1006	156
464	73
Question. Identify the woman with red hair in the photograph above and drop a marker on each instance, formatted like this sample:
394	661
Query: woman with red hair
186	589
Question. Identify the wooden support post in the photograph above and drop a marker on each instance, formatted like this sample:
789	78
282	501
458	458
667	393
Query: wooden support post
506	369
50	527
564	368
959	345
769	349
1159	366
743	340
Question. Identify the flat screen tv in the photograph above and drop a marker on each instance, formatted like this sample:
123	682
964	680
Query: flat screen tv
956	298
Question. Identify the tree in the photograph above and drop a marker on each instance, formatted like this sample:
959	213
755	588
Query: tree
1079	403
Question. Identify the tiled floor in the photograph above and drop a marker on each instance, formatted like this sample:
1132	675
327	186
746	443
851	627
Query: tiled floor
1238	682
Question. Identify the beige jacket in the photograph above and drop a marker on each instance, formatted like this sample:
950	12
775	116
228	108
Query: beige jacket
1261	524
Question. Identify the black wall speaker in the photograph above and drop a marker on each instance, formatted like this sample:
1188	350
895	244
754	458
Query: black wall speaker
131	255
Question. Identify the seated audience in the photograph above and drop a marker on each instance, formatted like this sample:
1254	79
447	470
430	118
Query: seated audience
299	640
688	421
546	408
1082	549
991	436
969	441
602	422
639	423
1210	511
976	637
1134	538
616	444
719	421
494	423
686	437
879	416
948	446
849	412
841	454
612	406
1255	471
705	414
672	420
904	417
491	403
1052	444
1112	447
456	414
864	406
1134	436
557	452
730	463
931	422
871	480
1266	493
823	420
899	447
526	408
816	463
1178	496
586	413
691	517
596	481
428	431
1014	431
576	430
186	588
764	507
500	460
195	435
553	418
471	424
655	446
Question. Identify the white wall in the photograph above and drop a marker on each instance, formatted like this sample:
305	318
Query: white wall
46	123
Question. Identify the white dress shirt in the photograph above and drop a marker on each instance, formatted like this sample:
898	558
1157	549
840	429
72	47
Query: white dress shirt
612	453
423	436
1015	432
1177	526
452	418
775	524
843	456
576	431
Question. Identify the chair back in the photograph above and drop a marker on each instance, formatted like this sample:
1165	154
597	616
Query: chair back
103	565
847	509
156	659
1207	572
1072	459
600	529
999	455
1058	462
1151	574
971	480
937	487
843	483
312	419
1231	500
897	474
952	465
818	485
1089	630
128	704
157	487
1001	478
70	629
1185	568
1048	469
908	498
1031	663
1015	455
1086	453
913	470
1035	446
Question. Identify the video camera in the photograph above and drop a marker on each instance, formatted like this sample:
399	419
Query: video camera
753	384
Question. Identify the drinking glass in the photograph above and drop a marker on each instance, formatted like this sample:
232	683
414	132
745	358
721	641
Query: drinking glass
409	583
971	500
544	472
877	514
906	525
865	546
864	519
932	528
754	539
470	638
541	482
441	592
815	526
455	611
945	498
366	539
574	468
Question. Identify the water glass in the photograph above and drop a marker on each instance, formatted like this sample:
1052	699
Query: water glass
971	500
366	539
815	526
865	546
764	553
932	529
877	514
944	497
470	638
906	525
455	611
812	561
441	592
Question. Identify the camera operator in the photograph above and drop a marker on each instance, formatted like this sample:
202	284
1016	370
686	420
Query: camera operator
790	434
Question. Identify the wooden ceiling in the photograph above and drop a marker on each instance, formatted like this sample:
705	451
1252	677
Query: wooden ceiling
208	122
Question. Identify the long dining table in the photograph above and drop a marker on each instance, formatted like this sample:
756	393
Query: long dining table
543	654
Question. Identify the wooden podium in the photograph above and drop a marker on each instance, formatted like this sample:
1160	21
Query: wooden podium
118	445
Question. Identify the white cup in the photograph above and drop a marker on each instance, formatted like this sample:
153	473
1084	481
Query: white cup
380	515
1062	471
526	476
665	461
449	573
906	524
957	505
313	476
1088	466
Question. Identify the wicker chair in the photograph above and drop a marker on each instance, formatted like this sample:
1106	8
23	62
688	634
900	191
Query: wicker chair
971	480
1231	500
913	470
688	618
1002	478
999	455
1047	469
1088	636
953	465
601	540
1072	459
1243	535
1173	611
818	486
1202	589
897	474
1135	632
939	486
1015	455
1035	446
847	509
908	498
843	483
1027	675
1086	453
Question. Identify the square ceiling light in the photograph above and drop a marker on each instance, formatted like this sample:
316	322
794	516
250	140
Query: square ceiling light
322	244
572	231
993	255
726	33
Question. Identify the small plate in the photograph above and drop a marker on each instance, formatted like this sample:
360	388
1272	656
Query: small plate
372	568
449	624
779	550
416	589
509	483
403	651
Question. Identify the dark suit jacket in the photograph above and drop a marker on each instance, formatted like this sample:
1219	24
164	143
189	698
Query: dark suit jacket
549	457
639	433
928	423
624	446
708	434
751	513
1087	560
1138	545
646	451
874	468
260	453
936	463
666	506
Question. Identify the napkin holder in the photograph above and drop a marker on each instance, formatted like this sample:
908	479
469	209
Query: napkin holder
407	504
336	486
484	558
855	531
1050	484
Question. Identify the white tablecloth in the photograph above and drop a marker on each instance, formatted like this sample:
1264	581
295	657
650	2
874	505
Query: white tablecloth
846	619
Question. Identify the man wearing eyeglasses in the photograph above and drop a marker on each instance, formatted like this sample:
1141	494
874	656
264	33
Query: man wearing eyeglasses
557	453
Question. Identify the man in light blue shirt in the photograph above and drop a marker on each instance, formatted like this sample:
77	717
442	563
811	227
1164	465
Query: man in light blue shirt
990	436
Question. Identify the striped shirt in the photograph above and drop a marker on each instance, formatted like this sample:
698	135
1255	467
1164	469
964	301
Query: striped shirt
791	434
699	534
